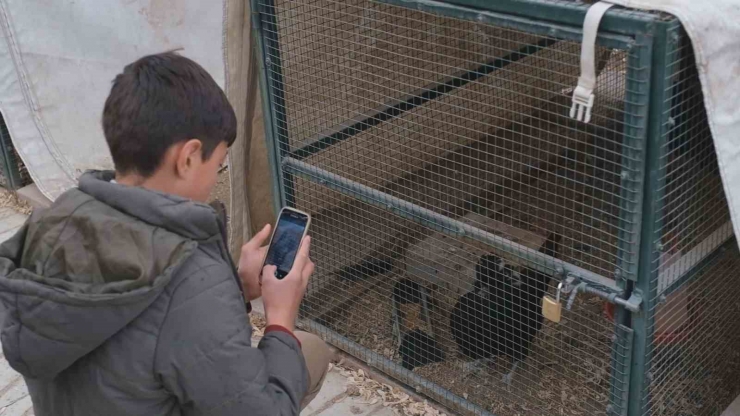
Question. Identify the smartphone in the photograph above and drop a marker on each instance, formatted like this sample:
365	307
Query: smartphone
292	225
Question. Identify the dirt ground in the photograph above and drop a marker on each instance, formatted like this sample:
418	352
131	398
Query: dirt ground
566	373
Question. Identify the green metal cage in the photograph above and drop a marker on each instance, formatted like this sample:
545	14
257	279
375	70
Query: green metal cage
427	136
13	173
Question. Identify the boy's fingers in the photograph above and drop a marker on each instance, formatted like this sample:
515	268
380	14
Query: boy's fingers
307	272
308	268
269	271
302	257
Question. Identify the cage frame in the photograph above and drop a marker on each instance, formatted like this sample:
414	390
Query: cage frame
667	36
10	164
286	164
652	37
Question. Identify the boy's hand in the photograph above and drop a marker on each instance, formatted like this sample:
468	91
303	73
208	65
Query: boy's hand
283	297
250	263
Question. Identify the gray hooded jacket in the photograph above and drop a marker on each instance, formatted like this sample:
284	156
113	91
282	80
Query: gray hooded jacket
123	301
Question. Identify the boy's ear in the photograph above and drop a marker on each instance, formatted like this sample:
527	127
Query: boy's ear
189	156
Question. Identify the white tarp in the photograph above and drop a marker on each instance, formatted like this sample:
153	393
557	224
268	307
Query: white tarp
59	57
714	29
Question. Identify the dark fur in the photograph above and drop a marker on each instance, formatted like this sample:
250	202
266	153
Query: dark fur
406	291
501	316
419	349
366	269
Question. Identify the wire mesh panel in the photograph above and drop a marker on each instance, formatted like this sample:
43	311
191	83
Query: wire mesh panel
693	351
13	173
452	196
358	291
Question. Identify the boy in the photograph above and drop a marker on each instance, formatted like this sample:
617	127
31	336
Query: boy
122	299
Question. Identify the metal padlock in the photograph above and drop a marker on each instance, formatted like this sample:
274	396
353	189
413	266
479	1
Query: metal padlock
551	308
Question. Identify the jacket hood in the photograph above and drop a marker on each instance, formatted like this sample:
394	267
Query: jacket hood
82	270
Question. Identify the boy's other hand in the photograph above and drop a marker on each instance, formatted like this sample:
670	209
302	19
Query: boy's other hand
282	298
250	263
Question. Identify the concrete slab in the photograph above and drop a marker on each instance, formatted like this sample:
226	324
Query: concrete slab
33	196
7	234
14	398
734	409
22	407
333	390
10	223
333	401
10	219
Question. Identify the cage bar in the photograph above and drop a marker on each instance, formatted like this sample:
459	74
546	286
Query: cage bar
13	173
540	261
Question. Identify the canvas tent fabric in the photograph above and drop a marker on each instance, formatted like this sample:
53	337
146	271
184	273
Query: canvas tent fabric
57	61
714	29
251	184
249	167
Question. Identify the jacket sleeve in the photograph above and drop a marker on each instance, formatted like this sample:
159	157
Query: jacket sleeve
204	355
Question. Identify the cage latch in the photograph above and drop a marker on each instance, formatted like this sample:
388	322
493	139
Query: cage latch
574	285
633	303
583	95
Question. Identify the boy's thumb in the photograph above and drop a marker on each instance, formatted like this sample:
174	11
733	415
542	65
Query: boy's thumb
264	233
259	238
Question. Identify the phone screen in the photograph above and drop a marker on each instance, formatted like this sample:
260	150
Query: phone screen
286	241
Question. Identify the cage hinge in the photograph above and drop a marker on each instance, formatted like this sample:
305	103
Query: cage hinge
583	95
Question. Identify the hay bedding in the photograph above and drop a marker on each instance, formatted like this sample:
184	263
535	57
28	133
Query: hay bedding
372	392
10	199
566	373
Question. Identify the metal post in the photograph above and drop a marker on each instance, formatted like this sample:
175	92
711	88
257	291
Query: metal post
273	102
622	21
642	323
637	100
631	211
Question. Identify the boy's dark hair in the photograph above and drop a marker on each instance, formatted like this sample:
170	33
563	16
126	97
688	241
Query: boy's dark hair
161	100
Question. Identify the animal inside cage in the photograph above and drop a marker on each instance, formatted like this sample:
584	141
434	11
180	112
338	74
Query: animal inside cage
453	196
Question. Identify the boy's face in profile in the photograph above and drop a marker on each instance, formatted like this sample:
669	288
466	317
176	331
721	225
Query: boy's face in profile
204	175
